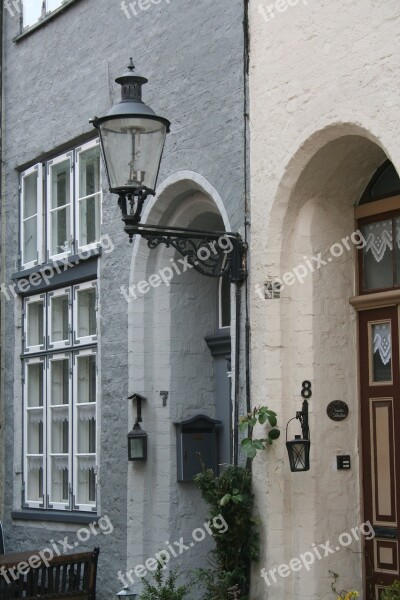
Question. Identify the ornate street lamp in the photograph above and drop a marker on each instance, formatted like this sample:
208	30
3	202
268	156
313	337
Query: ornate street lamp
299	448
132	139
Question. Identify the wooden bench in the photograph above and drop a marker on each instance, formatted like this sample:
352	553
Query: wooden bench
70	576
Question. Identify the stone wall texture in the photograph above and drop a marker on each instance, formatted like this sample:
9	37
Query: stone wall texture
55	80
324	112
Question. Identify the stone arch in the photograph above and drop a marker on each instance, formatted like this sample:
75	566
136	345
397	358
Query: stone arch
167	352
311	334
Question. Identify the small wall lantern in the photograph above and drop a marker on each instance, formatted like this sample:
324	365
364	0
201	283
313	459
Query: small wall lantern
137	437
299	448
127	594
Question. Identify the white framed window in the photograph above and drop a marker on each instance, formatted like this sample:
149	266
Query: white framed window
85	430
34	11
60	204
31	208
88	194
59	408
35	426
34	314
59	318
85	313
60	393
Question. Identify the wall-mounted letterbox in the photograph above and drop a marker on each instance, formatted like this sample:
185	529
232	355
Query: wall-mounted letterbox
196	437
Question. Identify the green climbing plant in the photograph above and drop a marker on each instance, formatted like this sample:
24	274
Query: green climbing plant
262	415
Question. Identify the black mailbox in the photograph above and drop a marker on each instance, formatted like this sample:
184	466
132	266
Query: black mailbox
196	437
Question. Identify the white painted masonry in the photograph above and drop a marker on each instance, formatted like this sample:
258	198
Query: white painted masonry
324	114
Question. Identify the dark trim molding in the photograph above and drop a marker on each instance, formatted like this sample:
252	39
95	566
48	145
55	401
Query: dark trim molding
60	149
57	516
219	345
52	275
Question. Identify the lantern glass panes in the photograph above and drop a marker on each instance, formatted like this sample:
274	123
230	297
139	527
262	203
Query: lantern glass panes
299	454
132	150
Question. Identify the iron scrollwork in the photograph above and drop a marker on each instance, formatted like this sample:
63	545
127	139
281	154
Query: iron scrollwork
202	250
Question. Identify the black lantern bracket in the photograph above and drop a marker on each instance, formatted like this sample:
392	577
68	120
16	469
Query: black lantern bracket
139	399
127	128
302	416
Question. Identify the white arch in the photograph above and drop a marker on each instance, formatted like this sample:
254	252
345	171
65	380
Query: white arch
173	185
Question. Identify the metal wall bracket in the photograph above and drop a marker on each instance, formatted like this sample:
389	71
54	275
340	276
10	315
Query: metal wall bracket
211	253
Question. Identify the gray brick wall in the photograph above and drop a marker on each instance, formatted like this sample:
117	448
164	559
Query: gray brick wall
55	80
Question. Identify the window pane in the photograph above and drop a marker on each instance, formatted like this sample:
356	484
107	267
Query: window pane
378	255
60	189
89	172
86	378
29	205
59	381
59	490
53	4
60	208
34	384
32	11
86	492
61	237
59	318
86	312
34	484
30	249
86	429
59	430
35	431
34	316
381	352
89	220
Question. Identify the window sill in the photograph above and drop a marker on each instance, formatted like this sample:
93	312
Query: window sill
44	21
58	516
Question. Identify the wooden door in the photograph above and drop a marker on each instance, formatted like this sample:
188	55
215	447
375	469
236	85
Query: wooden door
380	422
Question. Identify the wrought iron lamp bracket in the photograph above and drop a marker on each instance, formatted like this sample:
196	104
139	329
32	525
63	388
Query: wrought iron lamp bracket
303	418
202	250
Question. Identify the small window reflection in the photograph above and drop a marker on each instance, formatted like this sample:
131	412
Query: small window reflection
224	302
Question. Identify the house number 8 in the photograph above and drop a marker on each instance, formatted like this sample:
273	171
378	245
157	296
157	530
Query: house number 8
306	390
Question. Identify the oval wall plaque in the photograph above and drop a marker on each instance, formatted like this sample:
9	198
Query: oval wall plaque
337	410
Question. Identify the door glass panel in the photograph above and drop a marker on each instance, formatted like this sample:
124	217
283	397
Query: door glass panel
378	255
381	339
